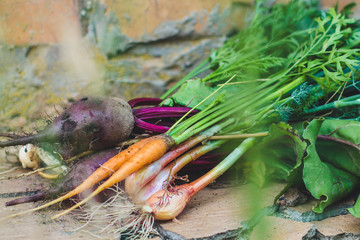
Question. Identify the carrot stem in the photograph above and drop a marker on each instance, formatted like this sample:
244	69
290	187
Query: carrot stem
224	165
168	205
179	138
194	154
140	178
167	174
241	135
201	102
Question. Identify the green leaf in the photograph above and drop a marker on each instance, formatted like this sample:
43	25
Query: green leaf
335	76
354	39
340	155
355	210
324	181
311	64
343	155
295	175
332	40
347	130
193	92
340	144
277	157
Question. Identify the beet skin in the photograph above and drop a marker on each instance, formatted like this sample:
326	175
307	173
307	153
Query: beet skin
92	123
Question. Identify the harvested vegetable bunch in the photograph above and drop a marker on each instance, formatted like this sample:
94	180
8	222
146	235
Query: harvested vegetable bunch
317	67
319	48
254	81
97	123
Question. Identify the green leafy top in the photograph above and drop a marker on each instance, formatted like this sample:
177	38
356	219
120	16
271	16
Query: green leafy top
265	65
289	60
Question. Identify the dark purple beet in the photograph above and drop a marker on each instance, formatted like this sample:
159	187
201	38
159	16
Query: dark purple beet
79	171
91	123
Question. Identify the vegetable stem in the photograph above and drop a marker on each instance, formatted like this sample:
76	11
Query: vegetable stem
224	165
165	176
140	178
333	105
339	140
201	102
237	136
285	89
190	132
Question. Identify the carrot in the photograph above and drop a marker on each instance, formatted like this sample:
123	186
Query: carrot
167	174
140	178
167	204
104	171
154	149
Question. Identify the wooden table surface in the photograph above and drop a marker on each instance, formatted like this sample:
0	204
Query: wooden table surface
214	210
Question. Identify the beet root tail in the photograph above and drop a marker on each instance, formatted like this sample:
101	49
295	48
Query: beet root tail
20	141
34	198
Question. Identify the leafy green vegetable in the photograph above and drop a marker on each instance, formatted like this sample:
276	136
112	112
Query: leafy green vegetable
259	50
338	142
325	182
346	130
277	157
193	92
355	210
293	62
302	60
327	158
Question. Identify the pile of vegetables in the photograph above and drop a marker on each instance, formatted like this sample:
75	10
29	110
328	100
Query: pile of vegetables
283	95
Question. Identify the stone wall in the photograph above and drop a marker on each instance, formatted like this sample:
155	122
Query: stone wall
53	51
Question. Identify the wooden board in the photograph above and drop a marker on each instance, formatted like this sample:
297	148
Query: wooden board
214	210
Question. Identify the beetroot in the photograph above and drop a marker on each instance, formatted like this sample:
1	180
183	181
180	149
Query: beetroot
79	171
91	123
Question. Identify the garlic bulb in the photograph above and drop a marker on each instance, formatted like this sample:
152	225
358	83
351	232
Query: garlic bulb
32	157
28	156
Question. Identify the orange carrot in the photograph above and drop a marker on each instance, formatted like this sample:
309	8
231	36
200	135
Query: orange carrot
154	149
104	171
108	168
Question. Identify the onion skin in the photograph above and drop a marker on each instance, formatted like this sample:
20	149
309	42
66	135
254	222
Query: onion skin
168	205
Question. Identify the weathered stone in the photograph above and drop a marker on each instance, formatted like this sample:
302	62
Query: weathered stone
36	22
109	24
156	66
32	78
128	49
145	20
105	31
